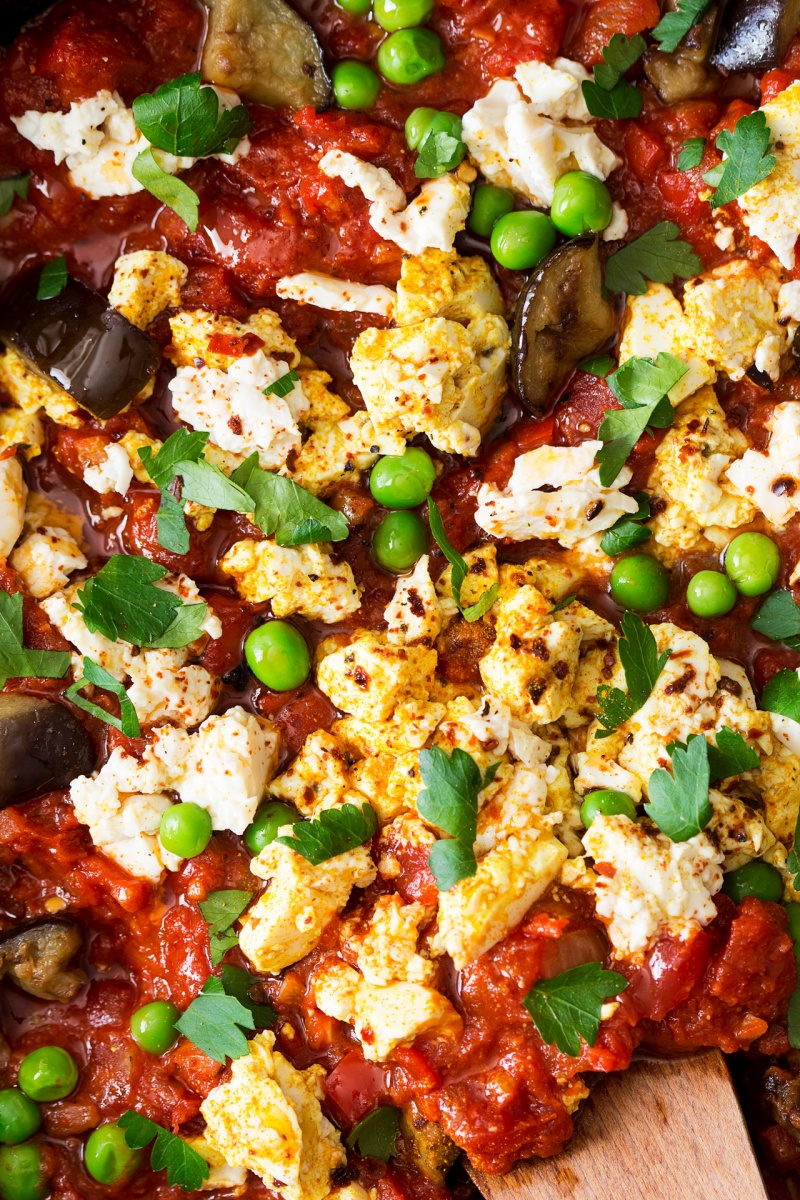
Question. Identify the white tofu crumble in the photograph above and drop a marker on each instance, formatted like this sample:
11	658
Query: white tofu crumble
112	474
336	295
654	886
45	559
13	495
770	478
413	615
99	140
771	209
577	509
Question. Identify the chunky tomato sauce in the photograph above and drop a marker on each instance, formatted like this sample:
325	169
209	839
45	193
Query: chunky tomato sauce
272	214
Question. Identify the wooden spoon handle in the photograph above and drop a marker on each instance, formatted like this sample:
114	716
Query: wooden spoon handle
662	1130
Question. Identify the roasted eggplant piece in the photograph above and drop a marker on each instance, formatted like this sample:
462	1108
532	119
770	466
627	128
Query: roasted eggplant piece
37	956
426	1147
686	72
42	746
78	341
265	52
754	35
562	316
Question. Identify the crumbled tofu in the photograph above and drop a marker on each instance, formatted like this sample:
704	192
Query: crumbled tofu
221	1176
369	677
296	579
112	474
336	295
287	920
692	460
434	377
780	783
145	283
578	508
99	140
555	91
220	341
770	479
412	615
409	727
481	576
655	324
440	284
45	559
324	406
13	494
771	209
514	145
431	220
337	449
737	830
318	776
385	946
267	1118
383	1017
729	312
483	908
405	835
20	430
160	691
654	886
617	227
224	767
33	393
390	782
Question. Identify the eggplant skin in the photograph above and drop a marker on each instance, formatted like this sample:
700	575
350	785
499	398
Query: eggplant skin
42	747
37	956
266	52
79	342
562	317
755	34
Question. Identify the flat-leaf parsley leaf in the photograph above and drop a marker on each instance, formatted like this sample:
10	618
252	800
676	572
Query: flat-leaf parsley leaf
284	508
127	722
450	802
459	569
186	1169
658	255
214	1022
641	386
730	756
673	26
11	186
333	832
567	1007
746	160
374	1136
171	191
185	118
122	601
642	665
628	530
53	278
609	94
691	154
16	660
219	911
679	803
778	618
782	695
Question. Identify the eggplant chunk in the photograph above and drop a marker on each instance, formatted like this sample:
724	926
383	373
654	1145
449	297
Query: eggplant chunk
685	73
42	747
755	34
265	52
78	341
426	1146
37	958
562	316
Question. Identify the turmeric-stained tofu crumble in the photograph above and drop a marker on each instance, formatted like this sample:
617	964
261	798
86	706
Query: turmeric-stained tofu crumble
399	585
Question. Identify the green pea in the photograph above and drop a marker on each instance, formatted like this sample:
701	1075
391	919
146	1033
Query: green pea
757	879
710	594
153	1026
49	1073
793	913
403	480
185	830
521	239
357	8
581	204
268	820
400	539
417	125
410	55
22	1173
355	85
753	562
607	803
640	582
278	655
489	204
108	1157
401	14
19	1116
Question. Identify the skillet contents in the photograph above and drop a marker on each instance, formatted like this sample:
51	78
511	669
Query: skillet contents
399	620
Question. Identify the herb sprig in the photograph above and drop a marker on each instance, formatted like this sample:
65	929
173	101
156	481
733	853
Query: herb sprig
568	1007
374	1136
185	1168
450	802
18	661
679	803
642	664
628	530
658	255
127	722
214	1022
333	832
459	569
746	160
122	602
673	26
642	387
11	186
219	911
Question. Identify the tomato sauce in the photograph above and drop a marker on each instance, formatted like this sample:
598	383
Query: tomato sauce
275	213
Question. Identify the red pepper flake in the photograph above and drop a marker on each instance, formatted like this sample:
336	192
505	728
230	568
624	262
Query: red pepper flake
234	346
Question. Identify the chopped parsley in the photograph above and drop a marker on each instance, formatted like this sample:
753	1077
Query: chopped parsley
642	665
185	1168
793	866
53	278
214	1022
450	802
778	619
185	119
567	1007
238	982
673	26
283	386
628	530
746	160
127	722
333	832
285	509
793	1019
167	188
679	803
374	1136
730	756
122	601
658	255
782	695
219	911
17	661
601	365
609	94
691	154
459	569
641	386
439	152
11	186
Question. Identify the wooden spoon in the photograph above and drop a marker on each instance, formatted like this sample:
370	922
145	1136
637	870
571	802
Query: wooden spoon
662	1130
